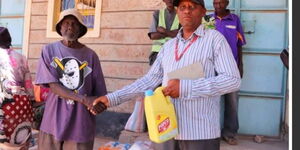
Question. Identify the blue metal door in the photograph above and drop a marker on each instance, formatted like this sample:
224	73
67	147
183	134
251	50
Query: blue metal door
262	94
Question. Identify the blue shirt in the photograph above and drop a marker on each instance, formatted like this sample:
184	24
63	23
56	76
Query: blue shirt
198	105
230	26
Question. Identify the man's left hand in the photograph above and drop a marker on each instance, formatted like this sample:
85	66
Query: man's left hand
241	69
172	88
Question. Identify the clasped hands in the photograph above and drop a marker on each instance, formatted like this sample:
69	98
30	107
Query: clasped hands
88	102
101	103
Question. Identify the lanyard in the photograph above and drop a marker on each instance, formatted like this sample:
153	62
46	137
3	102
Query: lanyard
178	57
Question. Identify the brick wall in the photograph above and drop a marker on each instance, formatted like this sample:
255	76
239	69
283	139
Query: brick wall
123	46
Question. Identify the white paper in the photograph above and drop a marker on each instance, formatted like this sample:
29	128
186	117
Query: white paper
190	72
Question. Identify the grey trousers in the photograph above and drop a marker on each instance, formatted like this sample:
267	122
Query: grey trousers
48	142
211	144
231	123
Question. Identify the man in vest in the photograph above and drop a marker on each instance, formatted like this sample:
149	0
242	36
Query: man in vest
165	25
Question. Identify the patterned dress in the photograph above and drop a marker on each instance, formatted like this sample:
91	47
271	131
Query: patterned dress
16	93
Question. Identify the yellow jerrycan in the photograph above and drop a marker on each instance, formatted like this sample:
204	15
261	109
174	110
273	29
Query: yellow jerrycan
160	116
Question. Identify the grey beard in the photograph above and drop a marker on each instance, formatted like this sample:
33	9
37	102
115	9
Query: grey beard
70	39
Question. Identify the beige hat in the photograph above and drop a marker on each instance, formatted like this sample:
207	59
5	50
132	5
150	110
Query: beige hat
76	14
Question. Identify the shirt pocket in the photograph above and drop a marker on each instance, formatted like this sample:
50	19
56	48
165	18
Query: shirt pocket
231	34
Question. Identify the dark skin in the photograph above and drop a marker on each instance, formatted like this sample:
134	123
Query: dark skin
188	18
221	11
68	94
70	30
161	31
187	14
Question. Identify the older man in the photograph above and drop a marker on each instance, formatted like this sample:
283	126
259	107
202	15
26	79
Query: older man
197	101
70	69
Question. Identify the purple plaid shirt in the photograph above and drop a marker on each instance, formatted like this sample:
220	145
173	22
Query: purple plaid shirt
230	26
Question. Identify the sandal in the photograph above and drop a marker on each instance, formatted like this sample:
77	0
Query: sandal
230	140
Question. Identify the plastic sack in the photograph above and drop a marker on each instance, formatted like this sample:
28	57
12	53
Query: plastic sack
141	145
115	146
137	120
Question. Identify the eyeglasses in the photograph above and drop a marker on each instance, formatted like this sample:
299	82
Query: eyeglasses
184	7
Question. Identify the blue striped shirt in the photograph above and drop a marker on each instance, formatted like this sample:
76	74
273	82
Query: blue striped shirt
198	106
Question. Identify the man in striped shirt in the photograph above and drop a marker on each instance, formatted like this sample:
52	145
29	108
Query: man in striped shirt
197	102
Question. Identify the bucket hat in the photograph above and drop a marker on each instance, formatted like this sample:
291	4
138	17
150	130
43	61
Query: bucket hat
73	12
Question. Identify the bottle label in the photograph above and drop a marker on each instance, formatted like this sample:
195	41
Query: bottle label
163	123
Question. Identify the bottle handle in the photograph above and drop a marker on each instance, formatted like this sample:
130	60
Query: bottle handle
167	98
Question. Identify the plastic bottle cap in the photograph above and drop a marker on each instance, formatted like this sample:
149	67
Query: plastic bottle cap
149	93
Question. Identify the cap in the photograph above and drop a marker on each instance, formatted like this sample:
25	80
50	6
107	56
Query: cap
200	2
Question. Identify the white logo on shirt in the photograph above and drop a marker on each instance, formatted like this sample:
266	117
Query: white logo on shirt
71	73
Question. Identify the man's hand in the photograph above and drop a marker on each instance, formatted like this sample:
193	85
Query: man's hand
98	108
88	101
241	69
99	104
240	62
172	88
161	30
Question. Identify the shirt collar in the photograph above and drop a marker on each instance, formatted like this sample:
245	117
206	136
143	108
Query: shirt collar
199	32
229	16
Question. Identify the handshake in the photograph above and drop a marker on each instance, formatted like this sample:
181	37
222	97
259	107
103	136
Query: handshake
95	105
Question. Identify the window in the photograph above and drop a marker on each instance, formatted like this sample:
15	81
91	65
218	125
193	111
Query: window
12	17
90	9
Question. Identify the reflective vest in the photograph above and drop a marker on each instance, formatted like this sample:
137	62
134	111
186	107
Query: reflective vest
157	44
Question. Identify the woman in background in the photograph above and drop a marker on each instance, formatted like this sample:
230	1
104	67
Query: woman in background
16	93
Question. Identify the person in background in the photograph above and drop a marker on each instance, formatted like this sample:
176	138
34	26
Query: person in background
230	26
196	101
70	69
284	56
16	96
164	26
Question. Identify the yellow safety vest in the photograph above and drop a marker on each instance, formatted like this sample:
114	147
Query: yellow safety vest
157	44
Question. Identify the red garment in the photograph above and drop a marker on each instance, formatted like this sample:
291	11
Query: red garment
17	119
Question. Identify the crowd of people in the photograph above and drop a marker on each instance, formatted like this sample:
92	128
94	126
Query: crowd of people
72	71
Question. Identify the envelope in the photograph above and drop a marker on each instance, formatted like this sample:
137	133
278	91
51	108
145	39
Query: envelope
190	72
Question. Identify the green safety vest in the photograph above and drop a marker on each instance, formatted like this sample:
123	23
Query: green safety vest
157	44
